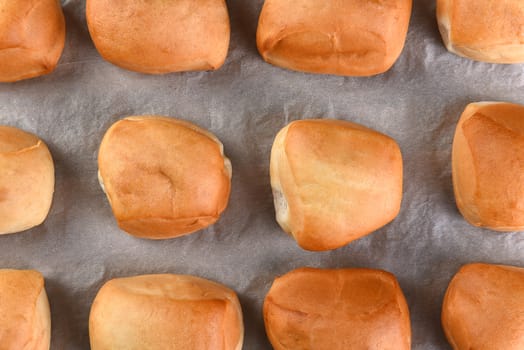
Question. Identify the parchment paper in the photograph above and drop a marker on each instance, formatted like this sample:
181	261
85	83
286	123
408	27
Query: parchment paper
245	103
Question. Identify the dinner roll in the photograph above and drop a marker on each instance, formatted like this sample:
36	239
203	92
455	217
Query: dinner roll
488	165
351	37
484	308
165	312
483	30
163	177
32	37
25	321
356	309
334	181
160	36
27	180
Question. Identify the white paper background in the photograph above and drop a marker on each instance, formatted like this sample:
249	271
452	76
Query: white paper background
245	103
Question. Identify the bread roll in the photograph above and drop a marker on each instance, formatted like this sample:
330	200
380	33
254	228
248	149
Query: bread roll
356	309
25	321
165	312
27	180
488	165
351	37
483	30
484	308
334	181
32	37
160	36
163	177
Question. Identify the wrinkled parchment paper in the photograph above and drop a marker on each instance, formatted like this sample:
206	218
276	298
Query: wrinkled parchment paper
245	103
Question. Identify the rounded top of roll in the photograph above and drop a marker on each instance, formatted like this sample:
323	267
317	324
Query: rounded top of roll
159	37
334	181
32	37
350	38
488	163
483	30
25	321
26	181
484	308
337	309
163	177
165	311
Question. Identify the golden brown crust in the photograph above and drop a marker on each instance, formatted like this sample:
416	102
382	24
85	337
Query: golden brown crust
484	308
165	312
483	30
160	36
25	322
27	180
334	181
32	37
163	177
354	38
337	309
488	163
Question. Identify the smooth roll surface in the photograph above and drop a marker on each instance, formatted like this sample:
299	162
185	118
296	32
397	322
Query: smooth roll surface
483	30
27	180
334	181
160	36
342	309
25	320
32	37
351	37
488	165
165	312
164	177
484	308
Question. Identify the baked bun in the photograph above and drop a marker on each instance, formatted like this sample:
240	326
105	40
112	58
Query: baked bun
163	177
352	37
334	181
488	163
32	37
165	312
484	308
483	30
27	180
160	36
337	310
25	320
